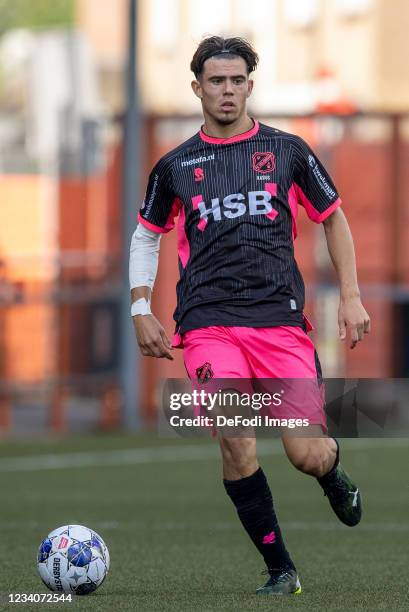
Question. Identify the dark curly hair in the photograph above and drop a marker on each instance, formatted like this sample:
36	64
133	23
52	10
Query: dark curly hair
228	47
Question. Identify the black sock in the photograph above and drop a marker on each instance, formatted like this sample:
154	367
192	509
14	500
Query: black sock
254	504
324	480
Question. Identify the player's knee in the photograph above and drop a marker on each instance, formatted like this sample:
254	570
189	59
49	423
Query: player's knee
239	454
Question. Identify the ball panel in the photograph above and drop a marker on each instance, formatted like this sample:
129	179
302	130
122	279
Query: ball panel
57	565
44	550
97	571
66	587
79	554
95	535
107	558
97	545
86	589
45	575
80	533
76	576
61	543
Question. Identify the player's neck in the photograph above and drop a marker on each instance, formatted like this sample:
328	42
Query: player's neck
217	130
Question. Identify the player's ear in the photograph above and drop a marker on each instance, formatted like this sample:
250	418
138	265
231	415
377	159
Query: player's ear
197	88
250	85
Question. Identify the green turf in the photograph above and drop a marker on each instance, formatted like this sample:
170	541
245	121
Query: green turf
176	544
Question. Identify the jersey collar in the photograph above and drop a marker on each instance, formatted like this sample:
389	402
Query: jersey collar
237	138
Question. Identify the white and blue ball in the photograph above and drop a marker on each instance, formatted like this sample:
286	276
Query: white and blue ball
73	559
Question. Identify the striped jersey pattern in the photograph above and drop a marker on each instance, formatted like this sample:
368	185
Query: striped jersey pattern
235	203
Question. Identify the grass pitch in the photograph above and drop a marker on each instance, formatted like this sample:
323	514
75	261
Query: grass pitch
173	536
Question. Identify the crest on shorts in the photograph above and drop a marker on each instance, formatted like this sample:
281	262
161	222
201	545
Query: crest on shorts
204	372
263	162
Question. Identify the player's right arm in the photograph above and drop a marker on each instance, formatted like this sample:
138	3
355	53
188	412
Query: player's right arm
143	264
155	218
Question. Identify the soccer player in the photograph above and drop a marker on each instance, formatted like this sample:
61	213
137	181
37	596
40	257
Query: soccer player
235	187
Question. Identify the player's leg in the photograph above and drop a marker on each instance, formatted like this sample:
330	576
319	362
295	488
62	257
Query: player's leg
247	487
289	354
313	456
244	480
319	457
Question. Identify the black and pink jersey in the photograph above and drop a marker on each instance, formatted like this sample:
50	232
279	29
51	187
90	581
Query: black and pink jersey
237	200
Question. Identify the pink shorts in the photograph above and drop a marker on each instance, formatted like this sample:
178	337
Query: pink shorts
260	353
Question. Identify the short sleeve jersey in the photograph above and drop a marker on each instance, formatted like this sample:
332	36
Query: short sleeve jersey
236	202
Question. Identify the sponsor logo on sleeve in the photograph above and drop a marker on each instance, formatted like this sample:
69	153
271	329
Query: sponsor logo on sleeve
321	180
148	206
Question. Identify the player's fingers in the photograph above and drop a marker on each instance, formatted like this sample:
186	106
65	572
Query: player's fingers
152	348
354	337
165	339
164	352
367	326
166	346
146	351
161	350
360	330
342	329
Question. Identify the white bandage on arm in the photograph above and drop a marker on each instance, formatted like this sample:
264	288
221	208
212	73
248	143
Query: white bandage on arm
143	257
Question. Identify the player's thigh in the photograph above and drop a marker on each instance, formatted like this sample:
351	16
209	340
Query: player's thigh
285	361
280	352
216	365
211	352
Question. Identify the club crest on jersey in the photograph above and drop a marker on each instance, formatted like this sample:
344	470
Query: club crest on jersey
199	174
263	162
204	372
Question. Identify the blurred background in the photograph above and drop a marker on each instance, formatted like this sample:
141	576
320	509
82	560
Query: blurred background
92	93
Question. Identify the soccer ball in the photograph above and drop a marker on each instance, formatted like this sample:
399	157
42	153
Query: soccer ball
73	559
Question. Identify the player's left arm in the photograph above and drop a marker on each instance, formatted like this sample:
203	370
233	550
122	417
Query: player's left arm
352	316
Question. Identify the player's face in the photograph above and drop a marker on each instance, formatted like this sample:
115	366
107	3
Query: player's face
223	88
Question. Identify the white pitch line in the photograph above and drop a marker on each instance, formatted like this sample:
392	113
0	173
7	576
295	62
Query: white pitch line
164	454
108	458
379	527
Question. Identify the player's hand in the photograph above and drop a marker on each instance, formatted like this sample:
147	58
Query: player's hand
151	337
352	317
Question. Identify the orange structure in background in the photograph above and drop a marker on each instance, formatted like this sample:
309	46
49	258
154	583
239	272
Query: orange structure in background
26	252
60	248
